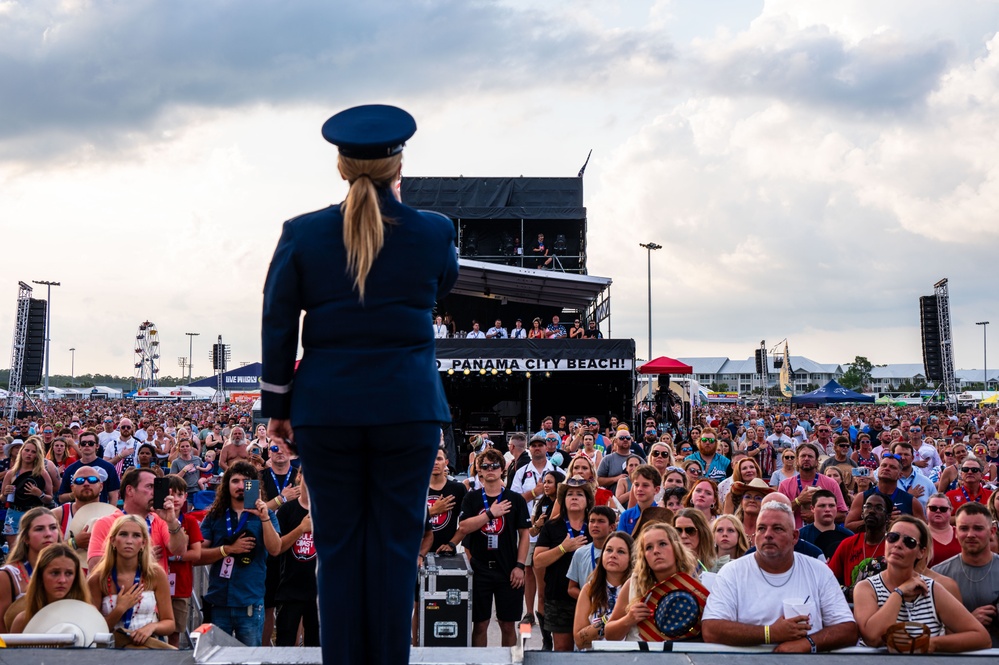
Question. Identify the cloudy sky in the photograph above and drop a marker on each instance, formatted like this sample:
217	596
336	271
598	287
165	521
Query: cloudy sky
811	168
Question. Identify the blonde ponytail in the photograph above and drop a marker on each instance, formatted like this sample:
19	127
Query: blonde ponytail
363	223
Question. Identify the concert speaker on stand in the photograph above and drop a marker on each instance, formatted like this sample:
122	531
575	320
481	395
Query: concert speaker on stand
34	348
930	328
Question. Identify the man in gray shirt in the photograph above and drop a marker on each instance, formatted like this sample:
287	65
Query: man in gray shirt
974	568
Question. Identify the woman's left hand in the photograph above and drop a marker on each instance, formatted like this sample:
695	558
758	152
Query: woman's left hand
140	635
33	489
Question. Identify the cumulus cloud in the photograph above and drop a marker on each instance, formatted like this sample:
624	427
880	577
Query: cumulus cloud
94	71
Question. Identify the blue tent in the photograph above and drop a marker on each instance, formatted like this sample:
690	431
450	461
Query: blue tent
831	393
240	379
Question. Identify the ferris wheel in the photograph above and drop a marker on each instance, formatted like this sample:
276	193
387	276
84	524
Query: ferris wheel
147	355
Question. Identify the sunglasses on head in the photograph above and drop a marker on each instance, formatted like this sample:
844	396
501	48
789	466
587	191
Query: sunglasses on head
689	530
93	480
894	536
891	456
576	481
490	466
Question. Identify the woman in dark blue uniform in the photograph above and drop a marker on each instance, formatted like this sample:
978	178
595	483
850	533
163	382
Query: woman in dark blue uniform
365	406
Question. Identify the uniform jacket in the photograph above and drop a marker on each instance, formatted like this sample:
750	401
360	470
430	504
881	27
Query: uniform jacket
363	364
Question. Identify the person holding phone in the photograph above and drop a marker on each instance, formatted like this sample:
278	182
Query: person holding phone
238	538
367	273
166	534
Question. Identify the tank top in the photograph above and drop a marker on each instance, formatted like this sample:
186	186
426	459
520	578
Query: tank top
143	613
922	610
900	498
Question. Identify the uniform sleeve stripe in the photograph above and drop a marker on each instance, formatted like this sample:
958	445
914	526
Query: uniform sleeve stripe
272	388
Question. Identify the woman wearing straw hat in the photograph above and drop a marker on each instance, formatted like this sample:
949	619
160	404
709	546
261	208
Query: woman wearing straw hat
367	273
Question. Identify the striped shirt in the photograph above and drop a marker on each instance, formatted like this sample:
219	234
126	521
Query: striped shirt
922	610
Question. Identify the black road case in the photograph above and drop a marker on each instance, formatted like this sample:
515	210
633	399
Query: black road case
445	605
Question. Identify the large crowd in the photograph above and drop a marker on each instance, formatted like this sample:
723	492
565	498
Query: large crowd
117	502
809	529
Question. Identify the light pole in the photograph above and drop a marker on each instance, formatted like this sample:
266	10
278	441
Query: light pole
72	366
985	353
650	246
190	354
48	328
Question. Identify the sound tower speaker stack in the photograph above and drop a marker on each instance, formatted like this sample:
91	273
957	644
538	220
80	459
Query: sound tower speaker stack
34	349
930	327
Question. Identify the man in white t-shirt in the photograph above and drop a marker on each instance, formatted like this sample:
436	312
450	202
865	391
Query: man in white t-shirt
746	605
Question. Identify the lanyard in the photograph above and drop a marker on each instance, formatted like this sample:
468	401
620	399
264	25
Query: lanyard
485	499
149	521
27	568
240	524
126	618
977	499
280	486
593	557
815	481
582	530
905	486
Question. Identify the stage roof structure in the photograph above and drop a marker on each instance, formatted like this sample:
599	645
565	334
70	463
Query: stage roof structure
530	285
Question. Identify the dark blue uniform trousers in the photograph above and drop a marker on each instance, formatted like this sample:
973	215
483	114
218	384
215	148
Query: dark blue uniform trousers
368	489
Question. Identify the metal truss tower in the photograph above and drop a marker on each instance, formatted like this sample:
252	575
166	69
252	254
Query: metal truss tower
946	340
15	387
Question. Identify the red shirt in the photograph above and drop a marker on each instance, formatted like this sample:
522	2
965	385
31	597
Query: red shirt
182	572
850	553
961	495
943	552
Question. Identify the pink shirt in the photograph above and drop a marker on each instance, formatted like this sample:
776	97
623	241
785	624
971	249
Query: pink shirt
159	535
789	488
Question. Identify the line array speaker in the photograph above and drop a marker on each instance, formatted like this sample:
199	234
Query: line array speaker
930	327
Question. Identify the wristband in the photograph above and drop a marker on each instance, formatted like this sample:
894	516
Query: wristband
899	592
489	514
561	548
519	566
222	550
815	649
766	634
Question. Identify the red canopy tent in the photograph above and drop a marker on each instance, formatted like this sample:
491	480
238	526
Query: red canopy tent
665	365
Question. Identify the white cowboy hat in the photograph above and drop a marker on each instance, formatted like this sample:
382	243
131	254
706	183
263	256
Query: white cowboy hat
71	617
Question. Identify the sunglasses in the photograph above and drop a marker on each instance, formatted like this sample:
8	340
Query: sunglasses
970	469
893	537
108	422
948	454
938	509
87	443
659	453
673	468
689	530
275	449
686	450
842	445
93	480
490	466
915	429
576	481
694	472
789	457
624	438
891	456
48	431
708	439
